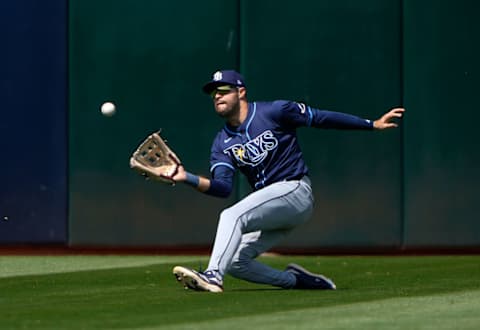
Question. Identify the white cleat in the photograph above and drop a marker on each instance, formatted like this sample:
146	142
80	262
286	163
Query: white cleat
191	279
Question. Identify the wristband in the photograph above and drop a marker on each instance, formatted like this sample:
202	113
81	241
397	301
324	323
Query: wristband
192	180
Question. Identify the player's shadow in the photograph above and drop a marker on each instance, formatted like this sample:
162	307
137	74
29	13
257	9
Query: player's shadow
279	290
256	289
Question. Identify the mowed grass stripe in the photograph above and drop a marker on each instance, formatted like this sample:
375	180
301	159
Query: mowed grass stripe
36	265
440	312
149	297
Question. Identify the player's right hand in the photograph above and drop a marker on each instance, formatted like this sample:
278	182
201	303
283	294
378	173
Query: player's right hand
385	122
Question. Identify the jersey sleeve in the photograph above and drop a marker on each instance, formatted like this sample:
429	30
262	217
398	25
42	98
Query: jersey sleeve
218	157
222	171
221	182
299	114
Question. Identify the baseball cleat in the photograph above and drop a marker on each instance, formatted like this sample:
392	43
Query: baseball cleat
308	280
191	279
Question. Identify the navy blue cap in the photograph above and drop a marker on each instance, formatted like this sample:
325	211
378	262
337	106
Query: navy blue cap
224	77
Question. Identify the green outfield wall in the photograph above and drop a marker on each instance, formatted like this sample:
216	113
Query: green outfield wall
414	186
149	57
442	152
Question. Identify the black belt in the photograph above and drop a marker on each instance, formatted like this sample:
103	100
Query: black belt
296	177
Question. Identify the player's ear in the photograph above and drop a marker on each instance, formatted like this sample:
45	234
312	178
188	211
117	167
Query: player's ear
242	92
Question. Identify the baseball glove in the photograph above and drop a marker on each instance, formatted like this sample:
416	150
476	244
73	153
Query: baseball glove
154	159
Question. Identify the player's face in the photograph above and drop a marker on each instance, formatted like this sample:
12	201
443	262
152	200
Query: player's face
226	100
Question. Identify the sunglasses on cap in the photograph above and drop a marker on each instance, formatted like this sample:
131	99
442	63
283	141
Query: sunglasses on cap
223	90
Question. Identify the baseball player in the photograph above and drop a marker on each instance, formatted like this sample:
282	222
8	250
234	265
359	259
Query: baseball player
259	139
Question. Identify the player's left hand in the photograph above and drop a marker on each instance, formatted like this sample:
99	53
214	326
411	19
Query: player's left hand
154	159
181	174
385	121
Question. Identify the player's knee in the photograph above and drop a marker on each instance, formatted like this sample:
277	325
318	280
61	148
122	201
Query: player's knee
228	217
239	268
228	214
240	265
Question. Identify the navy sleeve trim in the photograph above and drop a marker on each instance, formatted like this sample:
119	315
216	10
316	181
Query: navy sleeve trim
230	166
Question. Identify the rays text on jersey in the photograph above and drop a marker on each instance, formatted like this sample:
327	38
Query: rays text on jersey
254	151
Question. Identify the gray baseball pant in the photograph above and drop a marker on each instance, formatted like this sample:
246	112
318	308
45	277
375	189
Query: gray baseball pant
257	223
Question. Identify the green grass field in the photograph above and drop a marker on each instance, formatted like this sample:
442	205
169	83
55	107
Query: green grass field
139	292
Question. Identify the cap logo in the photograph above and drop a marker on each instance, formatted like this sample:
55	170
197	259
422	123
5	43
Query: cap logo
217	76
239	82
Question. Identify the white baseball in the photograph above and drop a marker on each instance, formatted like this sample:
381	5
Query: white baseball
108	109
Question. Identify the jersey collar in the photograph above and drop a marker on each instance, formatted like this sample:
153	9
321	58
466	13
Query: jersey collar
243	128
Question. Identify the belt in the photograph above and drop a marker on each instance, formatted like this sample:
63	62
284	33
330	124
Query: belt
297	177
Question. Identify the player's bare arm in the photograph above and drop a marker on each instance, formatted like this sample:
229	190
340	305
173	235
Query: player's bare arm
183	176
386	122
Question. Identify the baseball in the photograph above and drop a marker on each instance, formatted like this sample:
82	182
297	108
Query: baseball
108	109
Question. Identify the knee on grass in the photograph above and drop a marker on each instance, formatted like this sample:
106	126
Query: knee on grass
239	268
